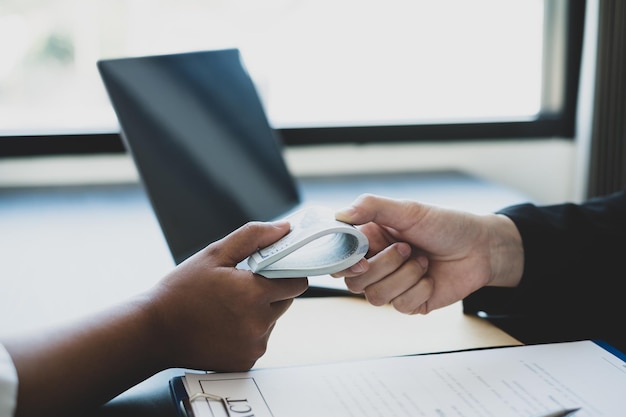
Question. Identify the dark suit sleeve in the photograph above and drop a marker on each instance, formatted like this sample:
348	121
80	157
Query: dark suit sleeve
574	270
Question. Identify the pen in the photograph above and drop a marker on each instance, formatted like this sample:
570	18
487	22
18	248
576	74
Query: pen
562	413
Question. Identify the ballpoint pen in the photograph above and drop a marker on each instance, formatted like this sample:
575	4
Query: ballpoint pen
562	413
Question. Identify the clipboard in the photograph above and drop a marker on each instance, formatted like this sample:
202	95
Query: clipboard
591	369
183	400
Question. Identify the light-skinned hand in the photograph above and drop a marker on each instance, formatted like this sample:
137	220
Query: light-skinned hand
423	257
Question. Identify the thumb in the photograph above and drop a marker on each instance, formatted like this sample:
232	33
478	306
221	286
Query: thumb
242	242
397	214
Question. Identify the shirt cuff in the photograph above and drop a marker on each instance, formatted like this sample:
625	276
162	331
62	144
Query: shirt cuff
8	384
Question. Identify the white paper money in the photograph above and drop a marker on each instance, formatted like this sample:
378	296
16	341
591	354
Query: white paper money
317	244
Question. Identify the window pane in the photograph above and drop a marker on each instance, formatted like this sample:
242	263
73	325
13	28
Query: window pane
315	62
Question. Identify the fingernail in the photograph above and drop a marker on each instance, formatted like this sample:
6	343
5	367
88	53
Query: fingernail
404	249
345	213
423	261
279	223
357	268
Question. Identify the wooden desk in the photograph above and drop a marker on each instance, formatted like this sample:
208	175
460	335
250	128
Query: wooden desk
317	330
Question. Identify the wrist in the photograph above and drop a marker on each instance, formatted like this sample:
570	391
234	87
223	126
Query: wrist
506	252
155	333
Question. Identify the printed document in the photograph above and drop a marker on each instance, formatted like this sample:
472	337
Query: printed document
520	381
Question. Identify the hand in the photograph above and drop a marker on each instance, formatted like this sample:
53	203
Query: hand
423	257
217	317
206	314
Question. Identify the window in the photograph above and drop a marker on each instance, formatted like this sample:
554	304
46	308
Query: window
327	70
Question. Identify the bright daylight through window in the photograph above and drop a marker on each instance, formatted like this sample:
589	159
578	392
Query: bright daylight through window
315	62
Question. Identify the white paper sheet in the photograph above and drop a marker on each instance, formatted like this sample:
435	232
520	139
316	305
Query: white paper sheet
523	381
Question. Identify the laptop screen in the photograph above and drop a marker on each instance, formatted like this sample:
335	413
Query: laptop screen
201	141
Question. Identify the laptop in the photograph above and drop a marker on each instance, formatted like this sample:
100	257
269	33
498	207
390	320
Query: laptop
199	136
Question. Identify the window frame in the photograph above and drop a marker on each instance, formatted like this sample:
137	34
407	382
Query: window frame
560	123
